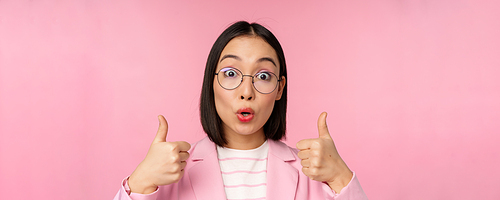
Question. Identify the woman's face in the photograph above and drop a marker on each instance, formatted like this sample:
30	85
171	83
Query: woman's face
244	110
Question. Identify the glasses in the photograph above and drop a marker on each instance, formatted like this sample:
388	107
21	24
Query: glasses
264	82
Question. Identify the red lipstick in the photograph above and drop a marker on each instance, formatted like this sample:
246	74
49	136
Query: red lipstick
245	114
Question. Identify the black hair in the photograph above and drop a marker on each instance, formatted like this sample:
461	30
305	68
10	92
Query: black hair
275	126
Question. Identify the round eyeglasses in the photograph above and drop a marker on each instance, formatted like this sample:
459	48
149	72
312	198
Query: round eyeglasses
264	82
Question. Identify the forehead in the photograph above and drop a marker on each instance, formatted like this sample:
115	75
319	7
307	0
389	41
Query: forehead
249	49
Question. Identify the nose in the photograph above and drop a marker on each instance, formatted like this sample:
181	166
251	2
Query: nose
247	91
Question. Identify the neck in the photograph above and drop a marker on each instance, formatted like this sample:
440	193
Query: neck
245	142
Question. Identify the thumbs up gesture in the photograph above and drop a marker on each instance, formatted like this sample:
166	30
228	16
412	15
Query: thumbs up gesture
164	164
320	159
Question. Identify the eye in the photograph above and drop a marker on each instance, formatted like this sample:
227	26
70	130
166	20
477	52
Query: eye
230	73
265	76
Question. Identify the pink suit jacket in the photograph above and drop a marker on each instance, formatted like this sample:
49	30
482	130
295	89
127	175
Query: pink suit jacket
202	178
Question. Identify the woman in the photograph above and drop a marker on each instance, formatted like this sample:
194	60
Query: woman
243	111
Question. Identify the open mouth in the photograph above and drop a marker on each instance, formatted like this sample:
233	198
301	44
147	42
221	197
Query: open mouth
245	114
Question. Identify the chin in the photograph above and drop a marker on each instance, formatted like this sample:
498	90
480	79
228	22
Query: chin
246	131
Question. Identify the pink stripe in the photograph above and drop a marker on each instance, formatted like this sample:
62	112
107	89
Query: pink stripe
241	158
242	171
249	199
244	185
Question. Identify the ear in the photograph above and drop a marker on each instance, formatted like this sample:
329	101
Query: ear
280	88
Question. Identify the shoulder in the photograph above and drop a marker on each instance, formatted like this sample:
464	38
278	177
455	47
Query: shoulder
293	149
282	150
202	145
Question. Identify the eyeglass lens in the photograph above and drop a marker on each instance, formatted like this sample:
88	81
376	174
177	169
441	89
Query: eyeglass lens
230	78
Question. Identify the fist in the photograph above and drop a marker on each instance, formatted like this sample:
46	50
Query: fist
164	163
320	159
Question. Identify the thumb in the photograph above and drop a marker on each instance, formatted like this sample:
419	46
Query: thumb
322	128
161	135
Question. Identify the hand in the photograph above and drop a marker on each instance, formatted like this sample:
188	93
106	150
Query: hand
321	161
164	164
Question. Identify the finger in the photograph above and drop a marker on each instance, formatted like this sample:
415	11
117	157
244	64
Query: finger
304	144
304	154
322	127
161	135
183	146
305	163
183	156
309	173
183	165
305	170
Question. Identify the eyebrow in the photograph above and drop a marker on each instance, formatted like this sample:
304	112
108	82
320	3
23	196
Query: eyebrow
238	58
229	56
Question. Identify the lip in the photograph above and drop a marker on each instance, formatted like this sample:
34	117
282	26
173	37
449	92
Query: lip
247	118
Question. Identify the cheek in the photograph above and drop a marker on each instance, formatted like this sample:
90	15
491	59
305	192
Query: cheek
220	98
268	102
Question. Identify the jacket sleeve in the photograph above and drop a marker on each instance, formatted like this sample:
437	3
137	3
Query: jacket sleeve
125	194
353	191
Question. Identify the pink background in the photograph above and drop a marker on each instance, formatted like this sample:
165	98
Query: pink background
412	89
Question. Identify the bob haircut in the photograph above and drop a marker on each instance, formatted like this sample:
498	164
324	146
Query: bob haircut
275	126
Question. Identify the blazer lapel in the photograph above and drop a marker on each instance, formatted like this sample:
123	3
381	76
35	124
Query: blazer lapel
282	178
204	175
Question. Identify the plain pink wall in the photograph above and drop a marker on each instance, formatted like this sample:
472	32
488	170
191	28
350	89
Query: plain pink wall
412	89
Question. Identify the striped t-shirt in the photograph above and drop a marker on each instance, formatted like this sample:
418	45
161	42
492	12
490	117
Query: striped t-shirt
244	172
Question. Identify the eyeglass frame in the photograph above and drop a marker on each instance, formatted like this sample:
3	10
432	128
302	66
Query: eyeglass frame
253	82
